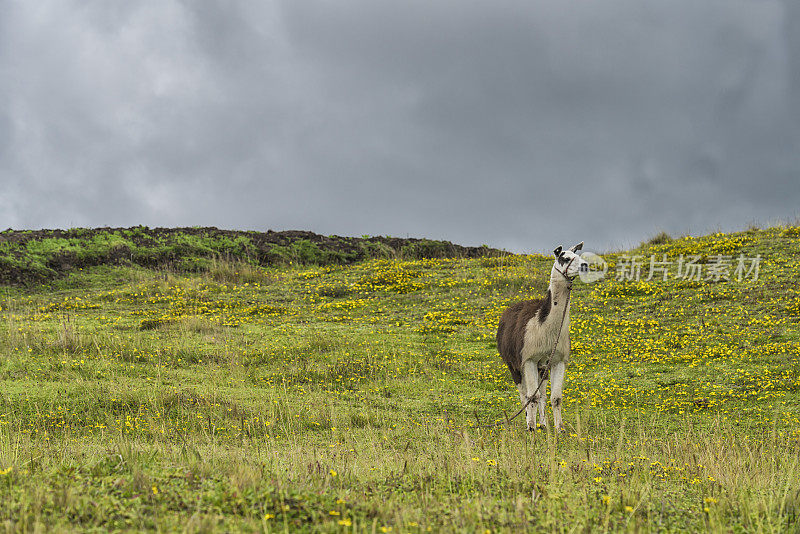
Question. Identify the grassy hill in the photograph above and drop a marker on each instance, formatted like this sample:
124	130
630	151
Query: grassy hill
344	394
30	256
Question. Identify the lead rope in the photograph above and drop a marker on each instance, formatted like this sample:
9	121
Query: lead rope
546	375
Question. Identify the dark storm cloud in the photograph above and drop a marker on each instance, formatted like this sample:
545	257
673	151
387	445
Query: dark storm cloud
516	124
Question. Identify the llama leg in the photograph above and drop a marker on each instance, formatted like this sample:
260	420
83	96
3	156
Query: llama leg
521	388
557	373
542	401
530	377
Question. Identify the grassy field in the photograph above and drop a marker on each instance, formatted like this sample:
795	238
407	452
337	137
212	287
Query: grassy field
346	398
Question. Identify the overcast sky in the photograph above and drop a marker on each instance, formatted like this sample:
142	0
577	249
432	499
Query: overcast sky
518	124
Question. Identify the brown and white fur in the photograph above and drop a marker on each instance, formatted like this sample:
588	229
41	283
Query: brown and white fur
527	333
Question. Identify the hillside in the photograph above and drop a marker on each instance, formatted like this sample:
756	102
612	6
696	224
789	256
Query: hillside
28	256
255	395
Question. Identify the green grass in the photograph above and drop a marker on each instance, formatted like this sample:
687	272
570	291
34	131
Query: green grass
346	398
44	255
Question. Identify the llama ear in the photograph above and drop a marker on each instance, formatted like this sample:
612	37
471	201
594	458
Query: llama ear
557	251
577	247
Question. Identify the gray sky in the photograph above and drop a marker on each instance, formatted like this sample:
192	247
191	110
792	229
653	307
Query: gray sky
518	124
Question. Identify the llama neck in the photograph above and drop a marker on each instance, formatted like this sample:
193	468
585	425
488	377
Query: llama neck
559	291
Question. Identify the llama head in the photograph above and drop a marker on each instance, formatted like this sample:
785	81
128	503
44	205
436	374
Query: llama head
568	263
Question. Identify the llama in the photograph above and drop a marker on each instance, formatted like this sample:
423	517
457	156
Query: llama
528	331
